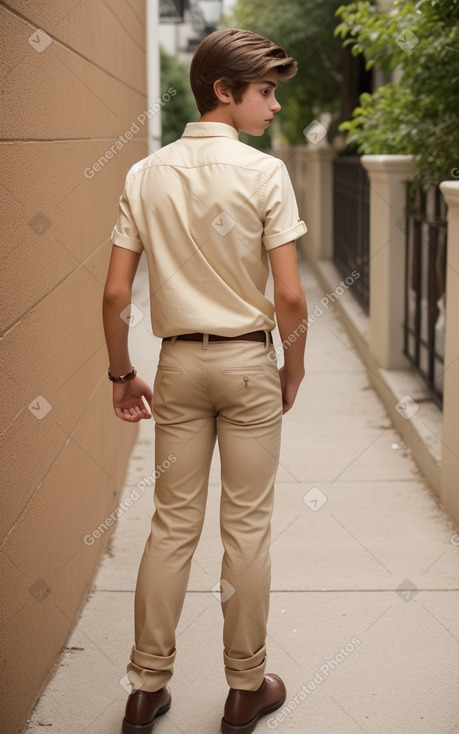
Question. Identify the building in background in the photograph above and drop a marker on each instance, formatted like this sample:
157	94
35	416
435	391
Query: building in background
184	23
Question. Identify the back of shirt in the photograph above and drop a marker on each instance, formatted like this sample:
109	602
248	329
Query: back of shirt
206	209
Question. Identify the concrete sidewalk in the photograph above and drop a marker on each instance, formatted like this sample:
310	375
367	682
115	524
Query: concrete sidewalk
363	627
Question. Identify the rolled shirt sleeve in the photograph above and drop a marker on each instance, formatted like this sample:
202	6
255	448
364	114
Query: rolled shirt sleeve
282	223
125	232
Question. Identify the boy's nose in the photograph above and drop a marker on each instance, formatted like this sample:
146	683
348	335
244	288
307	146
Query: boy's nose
276	106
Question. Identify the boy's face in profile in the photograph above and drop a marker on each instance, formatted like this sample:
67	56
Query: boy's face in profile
258	105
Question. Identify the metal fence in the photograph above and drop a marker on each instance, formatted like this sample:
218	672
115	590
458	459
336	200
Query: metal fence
351	223
424	328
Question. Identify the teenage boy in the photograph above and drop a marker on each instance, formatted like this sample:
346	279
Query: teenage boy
208	211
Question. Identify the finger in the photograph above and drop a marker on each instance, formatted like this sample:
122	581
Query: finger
123	415
139	413
147	408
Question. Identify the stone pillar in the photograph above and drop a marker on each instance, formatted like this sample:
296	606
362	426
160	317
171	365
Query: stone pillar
450	439
318	201
388	175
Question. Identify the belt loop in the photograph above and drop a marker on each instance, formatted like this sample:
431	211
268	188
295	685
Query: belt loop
173	340
267	339
205	341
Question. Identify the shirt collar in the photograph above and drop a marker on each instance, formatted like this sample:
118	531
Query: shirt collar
209	130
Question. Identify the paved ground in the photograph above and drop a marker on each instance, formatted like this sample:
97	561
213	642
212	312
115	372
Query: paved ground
364	626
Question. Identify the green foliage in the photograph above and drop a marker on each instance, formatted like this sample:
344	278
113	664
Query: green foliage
182	107
305	28
368	129
417	115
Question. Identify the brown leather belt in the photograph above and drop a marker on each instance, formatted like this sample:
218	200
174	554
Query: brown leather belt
252	336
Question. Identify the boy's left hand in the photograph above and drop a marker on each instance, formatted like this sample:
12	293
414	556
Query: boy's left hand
127	400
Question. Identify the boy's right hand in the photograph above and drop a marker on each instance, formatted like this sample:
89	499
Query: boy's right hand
127	400
289	386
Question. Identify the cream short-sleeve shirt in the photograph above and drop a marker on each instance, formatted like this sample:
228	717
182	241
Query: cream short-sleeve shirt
206	209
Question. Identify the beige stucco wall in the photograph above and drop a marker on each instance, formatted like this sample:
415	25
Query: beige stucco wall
66	97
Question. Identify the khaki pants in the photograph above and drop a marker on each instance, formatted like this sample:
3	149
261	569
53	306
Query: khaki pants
203	392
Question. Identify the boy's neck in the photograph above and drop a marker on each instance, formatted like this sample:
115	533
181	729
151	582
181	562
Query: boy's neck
218	115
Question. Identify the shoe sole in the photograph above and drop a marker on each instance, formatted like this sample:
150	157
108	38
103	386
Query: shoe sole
247	728
129	728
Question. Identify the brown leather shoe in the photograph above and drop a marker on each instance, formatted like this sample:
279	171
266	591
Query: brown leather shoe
244	708
143	707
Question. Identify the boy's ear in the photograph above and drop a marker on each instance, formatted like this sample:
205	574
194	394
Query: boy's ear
222	92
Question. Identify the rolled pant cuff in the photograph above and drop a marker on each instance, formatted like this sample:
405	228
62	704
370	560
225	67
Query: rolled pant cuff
150	672
246	674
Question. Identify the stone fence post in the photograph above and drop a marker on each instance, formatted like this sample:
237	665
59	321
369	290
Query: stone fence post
450	438
388	176
317	201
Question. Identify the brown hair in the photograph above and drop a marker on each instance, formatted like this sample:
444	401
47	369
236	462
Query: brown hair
237	58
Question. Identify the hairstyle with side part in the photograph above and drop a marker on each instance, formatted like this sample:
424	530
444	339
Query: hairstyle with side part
238	58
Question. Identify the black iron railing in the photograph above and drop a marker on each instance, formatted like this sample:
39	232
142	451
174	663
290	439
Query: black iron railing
424	327
351	224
